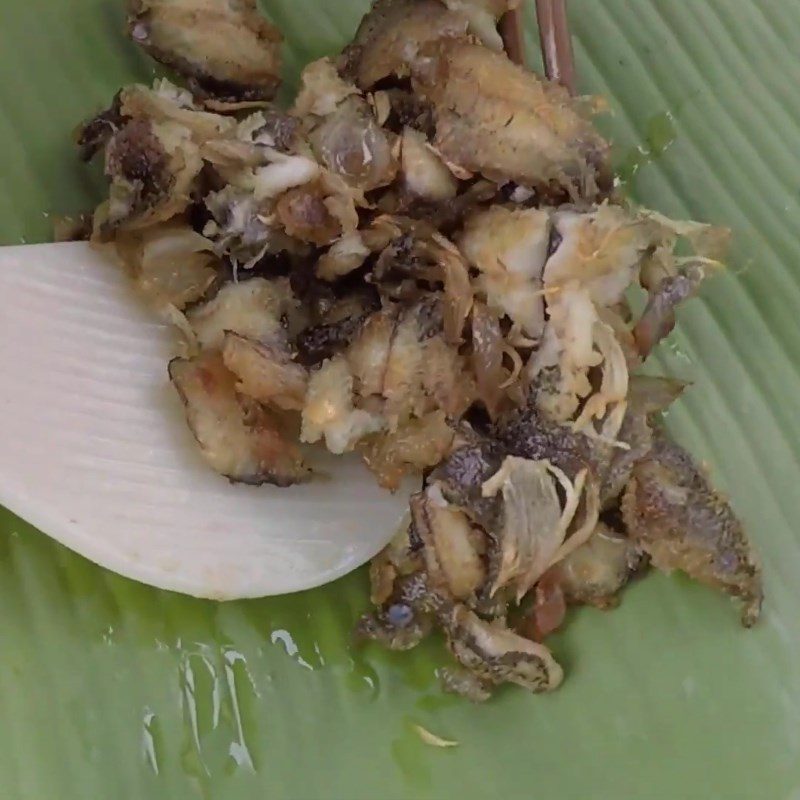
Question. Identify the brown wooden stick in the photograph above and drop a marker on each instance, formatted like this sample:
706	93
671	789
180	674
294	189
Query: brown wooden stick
559	60
554	36
511	29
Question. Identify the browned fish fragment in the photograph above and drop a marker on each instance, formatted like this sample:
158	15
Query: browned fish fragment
152	169
495	654
258	309
675	516
658	318
461	477
496	118
238	437
598	569
397	626
319	342
490	651
401	362
350	143
452	547
406	109
266	371
304	215
170	263
528	434
393	31
460	681
404	617
226	48
416	445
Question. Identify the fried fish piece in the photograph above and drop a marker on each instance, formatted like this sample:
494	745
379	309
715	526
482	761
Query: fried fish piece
675	516
254	308
170	263
416	445
595	572
491	652
527	433
498	119
509	247
238	437
391	35
94	134
226	48
462	475
495	654
647	396
396	627
452	547
266	371
152	167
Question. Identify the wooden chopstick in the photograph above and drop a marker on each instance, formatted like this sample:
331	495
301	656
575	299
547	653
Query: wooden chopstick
511	30
554	37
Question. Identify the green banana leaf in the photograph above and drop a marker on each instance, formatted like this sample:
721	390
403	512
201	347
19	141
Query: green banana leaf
109	689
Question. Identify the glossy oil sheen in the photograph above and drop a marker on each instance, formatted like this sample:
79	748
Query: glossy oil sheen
109	689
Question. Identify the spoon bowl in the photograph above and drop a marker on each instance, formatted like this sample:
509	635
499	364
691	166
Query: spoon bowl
96	453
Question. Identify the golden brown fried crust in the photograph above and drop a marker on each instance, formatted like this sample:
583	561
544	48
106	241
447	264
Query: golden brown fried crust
266	371
136	155
390	31
674	515
226	49
514	127
238	437
304	215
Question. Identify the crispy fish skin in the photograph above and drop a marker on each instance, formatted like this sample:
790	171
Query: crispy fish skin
647	396
137	155
498	119
152	168
490	651
266	371
238	437
496	654
675	516
392	31
526	433
462	476
596	572
396	627
226	48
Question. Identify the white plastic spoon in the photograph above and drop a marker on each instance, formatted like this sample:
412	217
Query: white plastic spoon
95	452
